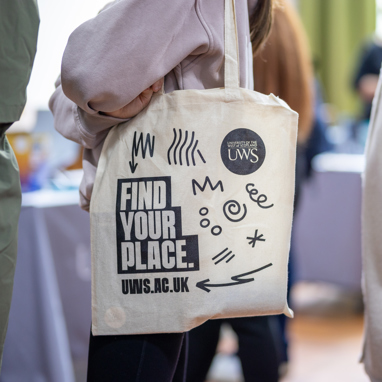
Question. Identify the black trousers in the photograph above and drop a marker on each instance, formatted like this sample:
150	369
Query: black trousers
138	358
257	348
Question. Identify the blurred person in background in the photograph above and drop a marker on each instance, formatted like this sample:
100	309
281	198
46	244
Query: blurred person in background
366	78
111	67
19	23
282	67
372	242
367	71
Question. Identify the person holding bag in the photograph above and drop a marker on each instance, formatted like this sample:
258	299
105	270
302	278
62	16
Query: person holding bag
111	67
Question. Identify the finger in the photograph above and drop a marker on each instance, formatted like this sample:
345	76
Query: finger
145	97
157	85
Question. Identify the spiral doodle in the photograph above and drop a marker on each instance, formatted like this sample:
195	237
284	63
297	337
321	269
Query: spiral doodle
234	208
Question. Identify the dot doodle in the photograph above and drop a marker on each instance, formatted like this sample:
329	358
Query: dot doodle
216	230
203	211
204	223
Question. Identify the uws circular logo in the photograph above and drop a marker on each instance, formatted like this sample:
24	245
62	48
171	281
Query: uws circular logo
242	151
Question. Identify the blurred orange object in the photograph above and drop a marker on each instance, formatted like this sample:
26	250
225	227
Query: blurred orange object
22	144
32	152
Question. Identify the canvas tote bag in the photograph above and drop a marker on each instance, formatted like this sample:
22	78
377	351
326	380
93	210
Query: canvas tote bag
191	210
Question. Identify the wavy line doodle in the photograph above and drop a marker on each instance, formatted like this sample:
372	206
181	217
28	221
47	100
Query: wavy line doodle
177	145
181	148
188	148
169	150
224	256
149	144
234	208
177	153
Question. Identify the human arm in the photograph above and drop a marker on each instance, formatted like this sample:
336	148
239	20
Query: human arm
68	122
114	57
138	103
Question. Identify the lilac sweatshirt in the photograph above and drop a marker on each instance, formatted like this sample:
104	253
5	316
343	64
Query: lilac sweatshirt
111	59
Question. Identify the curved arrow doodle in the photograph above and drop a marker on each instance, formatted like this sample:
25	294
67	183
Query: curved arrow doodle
237	280
145	146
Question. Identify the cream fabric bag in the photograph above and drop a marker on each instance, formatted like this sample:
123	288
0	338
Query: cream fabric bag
191	210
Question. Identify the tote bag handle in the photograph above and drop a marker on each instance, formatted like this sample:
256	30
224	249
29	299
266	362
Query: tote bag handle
231	49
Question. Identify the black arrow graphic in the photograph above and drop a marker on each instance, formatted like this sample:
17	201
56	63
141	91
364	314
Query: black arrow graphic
132	165
237	280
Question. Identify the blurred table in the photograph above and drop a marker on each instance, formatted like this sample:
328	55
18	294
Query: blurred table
50	316
327	226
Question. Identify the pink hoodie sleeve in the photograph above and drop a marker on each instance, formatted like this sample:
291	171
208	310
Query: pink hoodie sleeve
112	58
70	121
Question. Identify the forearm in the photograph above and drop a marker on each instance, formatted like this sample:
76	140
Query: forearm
114	57
73	123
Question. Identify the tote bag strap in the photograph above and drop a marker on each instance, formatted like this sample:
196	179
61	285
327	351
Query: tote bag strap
231	49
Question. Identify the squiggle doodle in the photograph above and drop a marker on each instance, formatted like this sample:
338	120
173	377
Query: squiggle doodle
216	230
260	199
234	208
135	149
179	153
225	255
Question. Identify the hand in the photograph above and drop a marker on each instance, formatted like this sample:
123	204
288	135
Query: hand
137	104
367	86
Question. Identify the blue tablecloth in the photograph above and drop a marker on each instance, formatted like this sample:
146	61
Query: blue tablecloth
50	314
327	226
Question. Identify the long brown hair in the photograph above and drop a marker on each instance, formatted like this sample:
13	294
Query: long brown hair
283	67
260	22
